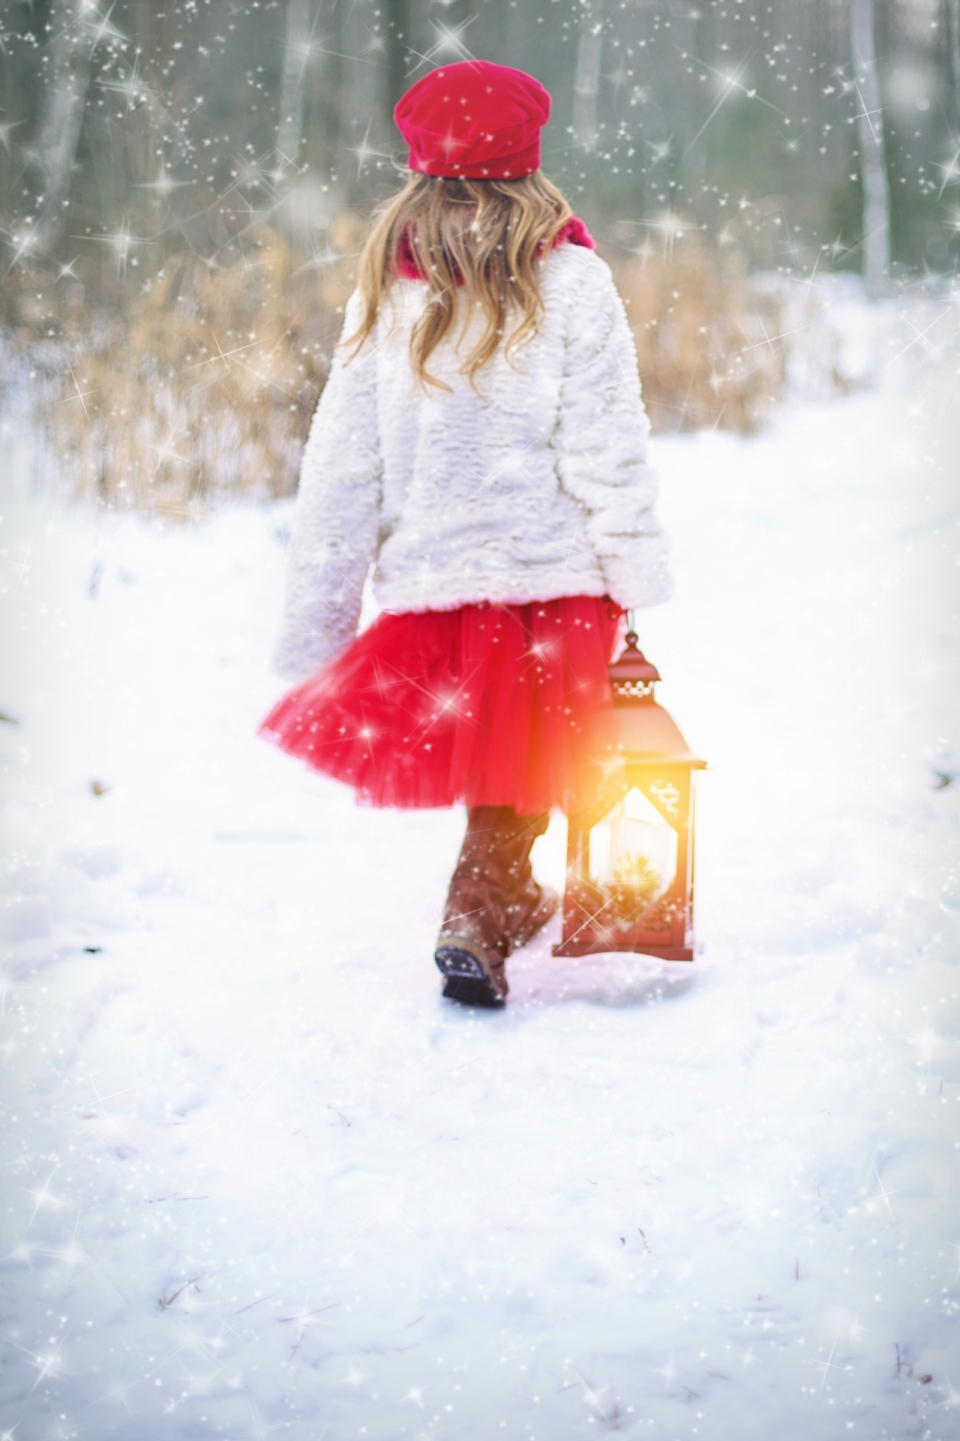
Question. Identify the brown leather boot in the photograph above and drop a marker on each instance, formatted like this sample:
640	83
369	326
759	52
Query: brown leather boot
529	905
529	912
493	906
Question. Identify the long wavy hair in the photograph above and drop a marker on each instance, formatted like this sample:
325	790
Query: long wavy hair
477	244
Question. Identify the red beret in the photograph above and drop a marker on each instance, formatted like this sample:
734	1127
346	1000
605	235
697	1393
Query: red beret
474	120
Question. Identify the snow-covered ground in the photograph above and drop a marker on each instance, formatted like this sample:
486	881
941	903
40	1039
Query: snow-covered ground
259	1179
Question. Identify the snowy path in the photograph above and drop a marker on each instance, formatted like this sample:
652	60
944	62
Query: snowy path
259	1180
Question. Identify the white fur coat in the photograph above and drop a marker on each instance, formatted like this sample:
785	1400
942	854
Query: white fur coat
533	488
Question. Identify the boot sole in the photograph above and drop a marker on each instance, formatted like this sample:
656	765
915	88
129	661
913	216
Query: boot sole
466	978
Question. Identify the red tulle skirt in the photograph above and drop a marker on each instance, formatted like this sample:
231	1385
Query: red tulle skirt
505	705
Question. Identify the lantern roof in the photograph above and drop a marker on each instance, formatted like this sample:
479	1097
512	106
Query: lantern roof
631	668
648	733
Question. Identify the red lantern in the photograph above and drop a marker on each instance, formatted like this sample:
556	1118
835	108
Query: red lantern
630	862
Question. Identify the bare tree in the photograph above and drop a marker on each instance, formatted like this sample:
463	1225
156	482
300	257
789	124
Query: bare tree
586	85
950	31
401	18
75	28
296	56
873	166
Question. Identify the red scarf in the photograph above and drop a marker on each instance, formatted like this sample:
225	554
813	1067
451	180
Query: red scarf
574	232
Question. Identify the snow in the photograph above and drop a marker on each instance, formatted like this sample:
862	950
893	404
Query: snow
261	1179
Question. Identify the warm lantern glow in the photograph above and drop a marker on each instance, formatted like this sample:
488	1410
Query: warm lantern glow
630	864
633	851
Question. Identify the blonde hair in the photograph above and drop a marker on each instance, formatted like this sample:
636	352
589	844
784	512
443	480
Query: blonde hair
475	242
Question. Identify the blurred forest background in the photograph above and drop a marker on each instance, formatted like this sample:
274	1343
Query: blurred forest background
185	184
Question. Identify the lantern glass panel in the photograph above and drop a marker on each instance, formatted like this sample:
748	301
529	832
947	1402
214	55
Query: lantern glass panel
633	851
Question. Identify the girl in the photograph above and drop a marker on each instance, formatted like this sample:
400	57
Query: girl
481	439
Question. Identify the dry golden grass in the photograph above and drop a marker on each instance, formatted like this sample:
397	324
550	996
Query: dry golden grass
205	384
706	341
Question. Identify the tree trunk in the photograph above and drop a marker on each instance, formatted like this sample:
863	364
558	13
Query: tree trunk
586	85
296	55
400	14
873	168
950	45
66	82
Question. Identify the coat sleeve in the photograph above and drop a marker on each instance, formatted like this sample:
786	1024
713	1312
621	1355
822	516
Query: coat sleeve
601	442
337	515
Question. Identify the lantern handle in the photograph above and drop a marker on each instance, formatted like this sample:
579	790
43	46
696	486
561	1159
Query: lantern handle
632	623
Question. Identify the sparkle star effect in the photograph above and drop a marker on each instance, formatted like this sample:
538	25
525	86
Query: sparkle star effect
864	113
222	354
47	1364
80	395
23	244
951	173
259	1428
366	152
770	340
71	1255
669	226
130	87
836	248
43	1197
165	452
122	241
829	1364
731	84
920	335
117	1393
100	28
448	45
448	41
883	1192
164	185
